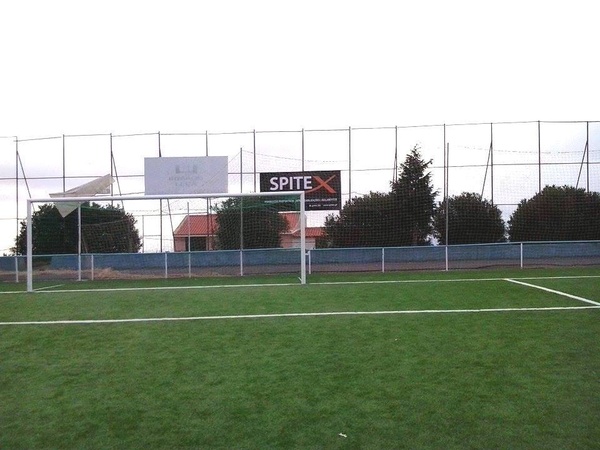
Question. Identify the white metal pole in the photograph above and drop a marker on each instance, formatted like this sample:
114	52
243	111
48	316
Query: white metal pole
79	242
446	249
521	245
143	234
241	237
29	249
447	169
189	226
302	240
241	213
382	259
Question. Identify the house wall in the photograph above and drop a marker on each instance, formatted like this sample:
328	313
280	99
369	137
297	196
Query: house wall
288	241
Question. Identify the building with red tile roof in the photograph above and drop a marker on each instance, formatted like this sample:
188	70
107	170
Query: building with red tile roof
198	232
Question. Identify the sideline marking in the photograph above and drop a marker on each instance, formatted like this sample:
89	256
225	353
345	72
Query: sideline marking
564	294
49	287
313	314
317	283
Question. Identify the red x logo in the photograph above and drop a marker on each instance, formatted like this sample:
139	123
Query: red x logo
323	184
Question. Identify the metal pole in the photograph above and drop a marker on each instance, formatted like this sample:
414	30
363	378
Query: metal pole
444	152
302	240
395	174
241	237
143	234
112	159
447	200
29	248
254	143
302	149
585	152
64	164
17	187
189	243
492	160
79	242
587	140
189	219
349	163
208	227
160	214
539	157
521	253
241	170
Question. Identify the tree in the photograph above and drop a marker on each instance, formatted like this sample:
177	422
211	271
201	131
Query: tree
471	220
415	196
366	221
105	229
262	225
397	218
557	214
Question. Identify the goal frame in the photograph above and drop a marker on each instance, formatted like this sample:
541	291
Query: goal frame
117	198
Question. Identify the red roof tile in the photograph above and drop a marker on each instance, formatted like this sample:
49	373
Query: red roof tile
205	225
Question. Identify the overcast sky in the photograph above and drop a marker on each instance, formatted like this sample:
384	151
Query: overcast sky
126	66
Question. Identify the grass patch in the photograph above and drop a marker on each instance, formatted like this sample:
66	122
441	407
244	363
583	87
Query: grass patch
524	379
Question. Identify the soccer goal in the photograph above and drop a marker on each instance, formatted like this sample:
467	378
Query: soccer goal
144	237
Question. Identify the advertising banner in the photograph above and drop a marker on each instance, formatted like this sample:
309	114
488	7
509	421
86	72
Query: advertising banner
322	189
186	175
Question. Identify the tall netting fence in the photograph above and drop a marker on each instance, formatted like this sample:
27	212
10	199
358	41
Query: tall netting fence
501	163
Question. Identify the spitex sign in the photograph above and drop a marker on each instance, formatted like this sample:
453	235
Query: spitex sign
322	189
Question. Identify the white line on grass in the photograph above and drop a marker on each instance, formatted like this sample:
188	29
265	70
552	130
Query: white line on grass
564	294
165	288
313	314
318	283
45	288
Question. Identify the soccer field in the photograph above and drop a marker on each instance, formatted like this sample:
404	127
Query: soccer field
485	359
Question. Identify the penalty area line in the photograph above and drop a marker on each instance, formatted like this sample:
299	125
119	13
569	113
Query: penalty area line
552	291
288	315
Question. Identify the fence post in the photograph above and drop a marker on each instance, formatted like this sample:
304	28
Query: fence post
521	245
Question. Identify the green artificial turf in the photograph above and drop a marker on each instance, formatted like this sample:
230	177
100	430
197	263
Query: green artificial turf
511	379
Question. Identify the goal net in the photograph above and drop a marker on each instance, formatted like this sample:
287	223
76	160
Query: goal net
127	239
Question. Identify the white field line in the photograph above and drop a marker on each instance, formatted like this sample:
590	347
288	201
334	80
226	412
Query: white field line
564	294
49	287
452	280
50	290
169	288
318	283
310	314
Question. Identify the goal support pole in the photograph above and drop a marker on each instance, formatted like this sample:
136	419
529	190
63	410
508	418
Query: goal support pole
302	223
29	248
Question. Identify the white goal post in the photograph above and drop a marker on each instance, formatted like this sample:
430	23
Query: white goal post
274	200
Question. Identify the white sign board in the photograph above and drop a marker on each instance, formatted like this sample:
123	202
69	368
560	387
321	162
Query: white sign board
186	175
